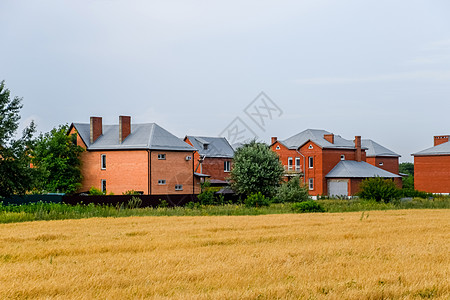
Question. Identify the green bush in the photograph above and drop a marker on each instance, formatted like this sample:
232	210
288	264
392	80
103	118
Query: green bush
257	200
414	193
93	191
379	189
292	191
131	192
307	206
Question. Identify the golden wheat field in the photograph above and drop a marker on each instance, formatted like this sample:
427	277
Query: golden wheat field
381	254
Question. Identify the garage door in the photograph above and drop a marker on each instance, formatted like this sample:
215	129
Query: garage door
337	187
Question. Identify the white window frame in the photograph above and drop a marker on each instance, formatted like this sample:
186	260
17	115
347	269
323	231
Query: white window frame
277	148
161	156
103	185
103	161
310	147
161	182
381	163
311	162
290	163
178	187
226	166
342	157
297	163
311	184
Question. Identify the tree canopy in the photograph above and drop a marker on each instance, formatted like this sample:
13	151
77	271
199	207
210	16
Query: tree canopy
16	176
256	168
56	157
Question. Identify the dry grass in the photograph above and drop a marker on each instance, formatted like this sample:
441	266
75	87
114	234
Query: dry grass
387	255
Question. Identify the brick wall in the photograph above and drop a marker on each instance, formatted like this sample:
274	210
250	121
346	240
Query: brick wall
432	173
389	164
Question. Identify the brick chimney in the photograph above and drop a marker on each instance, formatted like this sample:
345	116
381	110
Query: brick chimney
329	137
124	127
440	139
96	129
274	139
358	148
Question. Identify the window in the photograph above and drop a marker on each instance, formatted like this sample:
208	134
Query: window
310	147
311	183
103	185
161	156
290	163
205	146
277	148
103	161
178	187
226	166
162	182
381	163
311	162
342	157
297	163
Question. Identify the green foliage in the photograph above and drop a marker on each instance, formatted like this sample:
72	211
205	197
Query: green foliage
93	191
256	168
307	206
57	158
379	189
414	193
163	203
292	191
134	202
406	168
256	200
206	197
130	192
408	182
16	176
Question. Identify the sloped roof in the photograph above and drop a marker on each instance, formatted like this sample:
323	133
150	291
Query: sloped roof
217	146
143	136
375	149
442	149
355	169
316	136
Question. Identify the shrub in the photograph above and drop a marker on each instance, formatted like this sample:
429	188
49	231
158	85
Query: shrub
379	189
93	191
206	197
292	191
131	192
307	206
257	200
415	194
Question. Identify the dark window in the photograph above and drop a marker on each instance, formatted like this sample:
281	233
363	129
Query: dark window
103	161
178	187
161	156
311	162
226	166
103	185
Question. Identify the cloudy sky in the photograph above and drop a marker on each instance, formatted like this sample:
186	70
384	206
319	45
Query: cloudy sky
379	69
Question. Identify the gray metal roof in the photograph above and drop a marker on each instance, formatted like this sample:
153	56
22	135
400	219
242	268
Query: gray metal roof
375	149
143	136
355	169
316	136
442	149
217	146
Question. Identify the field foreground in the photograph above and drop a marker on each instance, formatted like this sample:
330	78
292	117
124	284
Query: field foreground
381	254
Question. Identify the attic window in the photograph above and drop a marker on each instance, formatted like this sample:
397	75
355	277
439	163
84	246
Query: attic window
278	148
310	147
381	163
205	146
342	157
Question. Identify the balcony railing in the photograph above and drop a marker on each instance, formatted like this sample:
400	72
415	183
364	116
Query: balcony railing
293	169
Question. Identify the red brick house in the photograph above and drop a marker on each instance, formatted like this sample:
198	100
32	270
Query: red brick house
328	164
141	157
432	167
380	156
213	157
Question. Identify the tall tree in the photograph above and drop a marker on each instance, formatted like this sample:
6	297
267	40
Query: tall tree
57	159
16	176
256	168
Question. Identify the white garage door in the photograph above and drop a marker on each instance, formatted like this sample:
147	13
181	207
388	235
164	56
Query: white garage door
337	187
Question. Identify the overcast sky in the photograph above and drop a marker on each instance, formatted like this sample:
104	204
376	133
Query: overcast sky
379	69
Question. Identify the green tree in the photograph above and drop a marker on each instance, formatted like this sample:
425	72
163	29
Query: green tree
57	159
16	176
379	189
408	181
292	191
256	168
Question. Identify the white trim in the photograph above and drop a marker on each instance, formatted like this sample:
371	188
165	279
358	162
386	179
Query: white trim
103	161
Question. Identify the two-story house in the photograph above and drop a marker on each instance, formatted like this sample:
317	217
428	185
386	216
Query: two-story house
140	157
213	157
432	167
328	164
